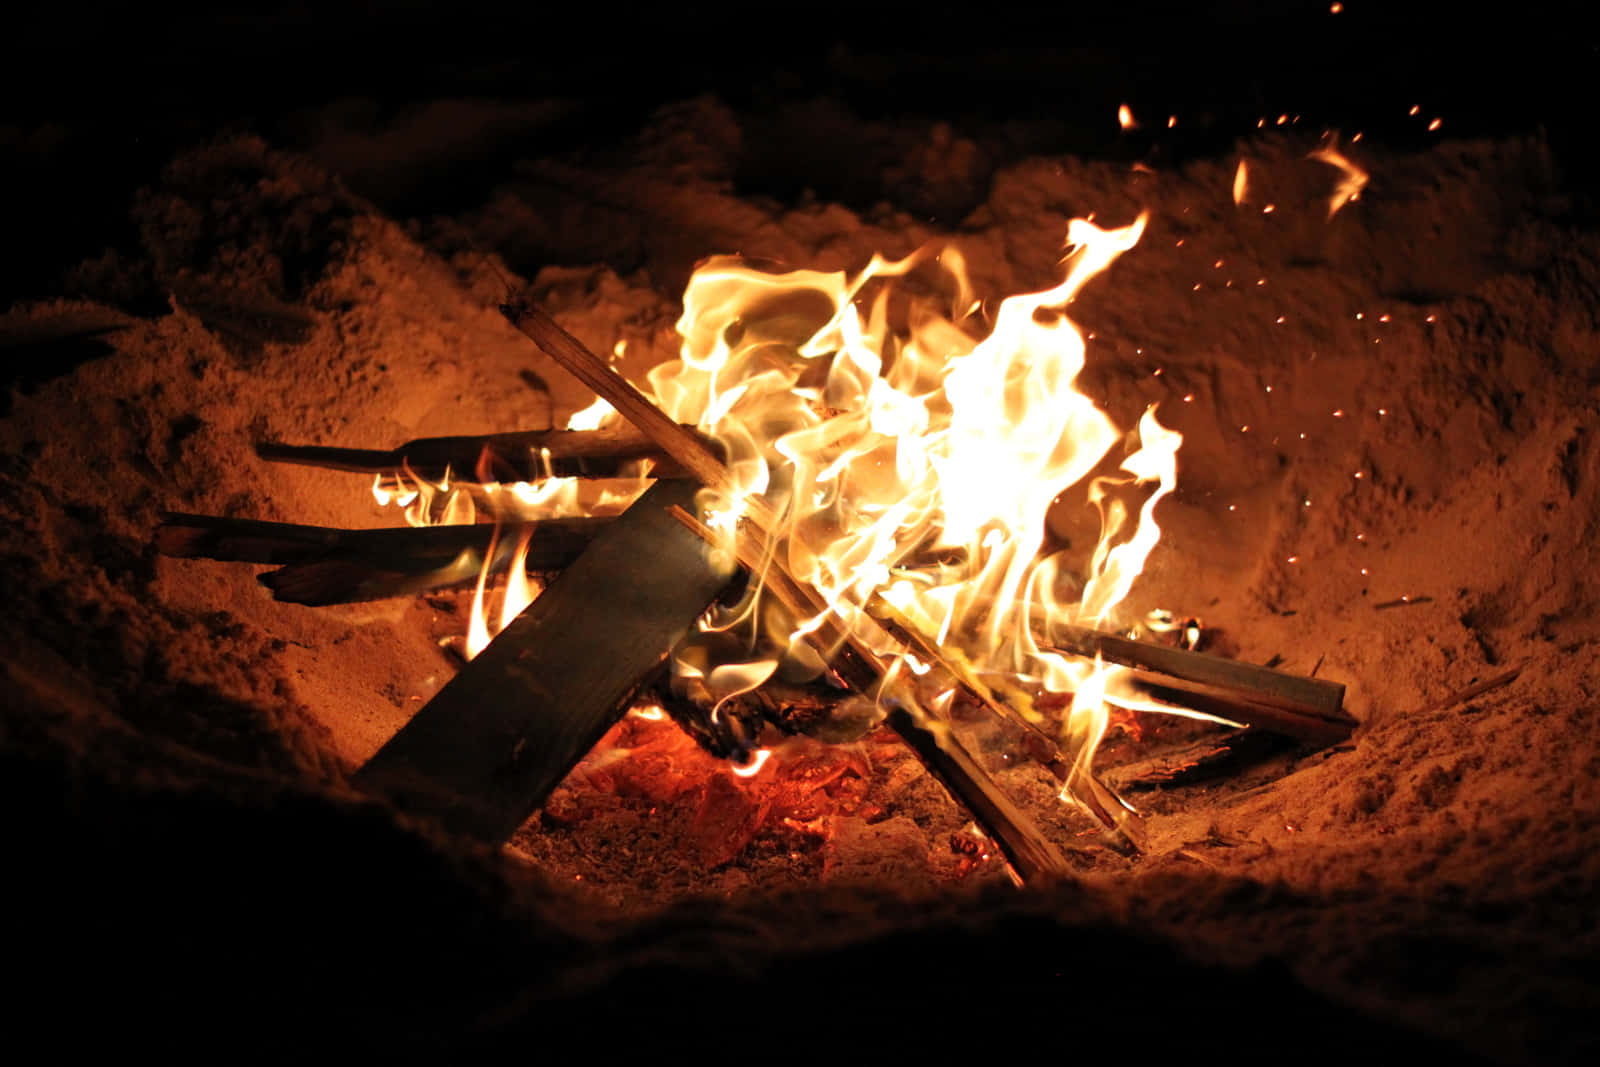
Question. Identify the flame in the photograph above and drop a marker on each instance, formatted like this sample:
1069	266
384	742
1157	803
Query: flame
1125	117
1352	179
758	760
447	502
1241	183
910	452
913	468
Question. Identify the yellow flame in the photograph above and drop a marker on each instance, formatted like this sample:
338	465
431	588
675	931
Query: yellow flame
520	589
595	415
915	467
445	503
1241	183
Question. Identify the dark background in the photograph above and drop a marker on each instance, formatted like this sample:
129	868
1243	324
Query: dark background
99	96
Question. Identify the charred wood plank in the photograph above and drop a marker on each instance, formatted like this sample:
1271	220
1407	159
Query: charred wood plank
617	451
485	752
1031	854
321	565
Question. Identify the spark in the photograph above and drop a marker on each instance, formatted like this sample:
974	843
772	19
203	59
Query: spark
758	759
1352	178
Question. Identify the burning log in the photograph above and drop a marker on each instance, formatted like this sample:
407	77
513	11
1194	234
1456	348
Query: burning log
486	751
320	565
618	451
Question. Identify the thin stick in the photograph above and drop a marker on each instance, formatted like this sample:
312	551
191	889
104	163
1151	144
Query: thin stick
1476	689
618	451
1402	602
677	441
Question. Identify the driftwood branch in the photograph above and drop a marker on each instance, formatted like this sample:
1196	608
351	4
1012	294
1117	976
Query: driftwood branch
618	451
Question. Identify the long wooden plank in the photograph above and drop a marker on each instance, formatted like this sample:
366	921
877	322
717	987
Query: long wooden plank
485	752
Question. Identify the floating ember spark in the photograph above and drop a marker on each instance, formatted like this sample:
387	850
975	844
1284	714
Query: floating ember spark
1241	183
1352	178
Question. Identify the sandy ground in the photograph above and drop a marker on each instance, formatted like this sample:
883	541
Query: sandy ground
1397	402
